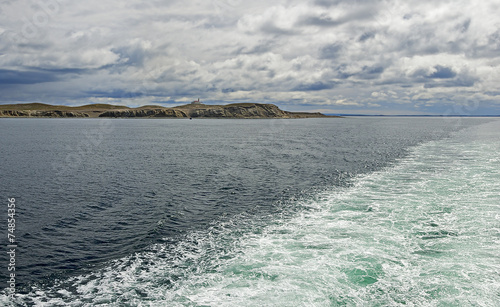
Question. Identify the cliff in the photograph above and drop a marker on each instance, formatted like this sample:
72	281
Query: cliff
39	113
156	112
237	110
240	110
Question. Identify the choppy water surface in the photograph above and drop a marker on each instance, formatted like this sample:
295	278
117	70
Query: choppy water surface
323	212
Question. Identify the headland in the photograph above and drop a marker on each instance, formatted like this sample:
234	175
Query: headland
193	110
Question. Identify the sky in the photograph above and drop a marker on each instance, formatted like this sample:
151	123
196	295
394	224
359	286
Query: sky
357	56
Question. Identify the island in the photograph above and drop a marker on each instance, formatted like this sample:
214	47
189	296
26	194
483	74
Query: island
196	109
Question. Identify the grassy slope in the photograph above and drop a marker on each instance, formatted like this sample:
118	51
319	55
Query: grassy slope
48	107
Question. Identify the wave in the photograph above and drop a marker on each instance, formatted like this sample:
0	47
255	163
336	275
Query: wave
423	232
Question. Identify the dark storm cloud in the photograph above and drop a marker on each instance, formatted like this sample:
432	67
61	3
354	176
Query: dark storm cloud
438	72
117	93
372	72
442	72
26	77
315	86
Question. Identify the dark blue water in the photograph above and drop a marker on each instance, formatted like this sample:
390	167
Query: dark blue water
92	190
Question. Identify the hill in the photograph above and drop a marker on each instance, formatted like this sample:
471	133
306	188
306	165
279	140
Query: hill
235	110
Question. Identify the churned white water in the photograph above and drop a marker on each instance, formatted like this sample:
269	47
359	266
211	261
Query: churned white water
424	232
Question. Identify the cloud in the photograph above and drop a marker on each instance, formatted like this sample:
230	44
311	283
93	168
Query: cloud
320	21
298	54
271	28
463	80
316	86
331	51
442	72
25	77
367	35
115	94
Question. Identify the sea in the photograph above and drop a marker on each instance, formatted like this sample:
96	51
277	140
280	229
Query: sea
355	211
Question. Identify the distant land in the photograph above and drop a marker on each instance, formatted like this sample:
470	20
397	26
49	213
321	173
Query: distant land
194	110
403	115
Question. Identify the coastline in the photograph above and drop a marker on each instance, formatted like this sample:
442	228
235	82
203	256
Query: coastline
236	110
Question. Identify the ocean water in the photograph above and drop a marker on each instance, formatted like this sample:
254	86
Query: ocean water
316	212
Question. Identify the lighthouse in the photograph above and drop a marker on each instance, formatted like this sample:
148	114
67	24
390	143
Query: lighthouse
196	101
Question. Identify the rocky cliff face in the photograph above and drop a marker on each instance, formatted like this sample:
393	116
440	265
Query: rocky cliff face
38	113
255	110
205	111
144	113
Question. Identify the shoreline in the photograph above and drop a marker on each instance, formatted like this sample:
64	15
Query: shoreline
190	111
